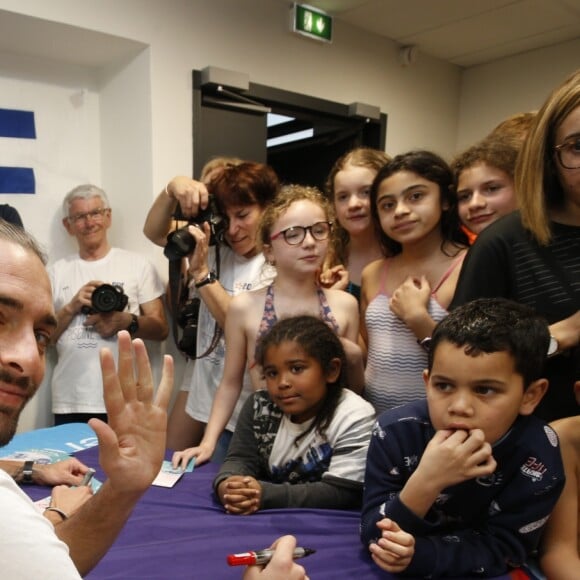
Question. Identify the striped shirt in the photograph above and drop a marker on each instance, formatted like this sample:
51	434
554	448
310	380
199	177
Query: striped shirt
395	363
506	261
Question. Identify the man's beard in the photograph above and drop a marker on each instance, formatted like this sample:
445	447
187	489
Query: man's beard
8	424
8	415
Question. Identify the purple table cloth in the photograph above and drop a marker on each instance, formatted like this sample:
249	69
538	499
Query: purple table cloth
183	532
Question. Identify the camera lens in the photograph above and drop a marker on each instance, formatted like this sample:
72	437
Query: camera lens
180	243
108	298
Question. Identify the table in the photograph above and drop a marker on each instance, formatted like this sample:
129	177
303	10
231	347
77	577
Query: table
183	532
68	438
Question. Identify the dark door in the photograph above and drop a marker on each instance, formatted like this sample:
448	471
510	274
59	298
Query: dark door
238	126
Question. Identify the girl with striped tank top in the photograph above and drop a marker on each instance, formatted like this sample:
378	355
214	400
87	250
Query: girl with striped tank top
294	234
405	295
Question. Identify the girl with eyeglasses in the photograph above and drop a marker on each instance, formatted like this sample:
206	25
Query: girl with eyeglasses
533	256
294	235
404	295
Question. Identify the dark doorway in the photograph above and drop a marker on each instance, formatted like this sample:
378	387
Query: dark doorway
236	124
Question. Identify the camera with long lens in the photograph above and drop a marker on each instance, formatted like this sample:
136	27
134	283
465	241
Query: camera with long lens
188	319
181	243
107	298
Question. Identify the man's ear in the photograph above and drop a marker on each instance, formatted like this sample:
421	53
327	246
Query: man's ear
532	396
67	226
333	370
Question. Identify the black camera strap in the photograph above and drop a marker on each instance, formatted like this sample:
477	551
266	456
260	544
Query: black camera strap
217	329
179	295
177	283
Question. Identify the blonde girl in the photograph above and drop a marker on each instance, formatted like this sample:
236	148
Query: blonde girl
294	235
356	240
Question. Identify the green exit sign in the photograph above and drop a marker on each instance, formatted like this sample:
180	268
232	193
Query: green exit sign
312	22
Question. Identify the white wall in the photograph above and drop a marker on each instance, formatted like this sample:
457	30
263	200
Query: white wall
253	36
141	123
62	155
125	124
65	152
495	91
113	83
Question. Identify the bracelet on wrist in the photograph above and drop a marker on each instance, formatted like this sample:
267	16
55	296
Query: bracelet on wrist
60	512
425	343
210	278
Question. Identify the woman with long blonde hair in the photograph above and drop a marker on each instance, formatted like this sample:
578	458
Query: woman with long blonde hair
533	256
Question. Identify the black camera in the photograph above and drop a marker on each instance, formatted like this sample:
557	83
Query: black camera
187	319
107	298
181	243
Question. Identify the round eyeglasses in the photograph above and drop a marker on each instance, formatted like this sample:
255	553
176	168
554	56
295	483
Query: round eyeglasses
296	234
568	153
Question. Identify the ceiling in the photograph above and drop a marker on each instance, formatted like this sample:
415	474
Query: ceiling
463	32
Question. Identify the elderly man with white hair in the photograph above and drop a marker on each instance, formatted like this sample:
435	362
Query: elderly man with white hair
97	292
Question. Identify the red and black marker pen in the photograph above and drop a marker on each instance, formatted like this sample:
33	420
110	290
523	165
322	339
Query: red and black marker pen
261	557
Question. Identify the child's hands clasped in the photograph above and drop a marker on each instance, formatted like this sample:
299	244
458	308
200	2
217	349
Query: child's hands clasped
394	550
240	494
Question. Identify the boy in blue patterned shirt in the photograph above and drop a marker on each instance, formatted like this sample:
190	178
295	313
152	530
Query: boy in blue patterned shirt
462	483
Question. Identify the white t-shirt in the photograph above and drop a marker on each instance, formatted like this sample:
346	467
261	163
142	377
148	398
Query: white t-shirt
77	385
350	426
29	548
237	274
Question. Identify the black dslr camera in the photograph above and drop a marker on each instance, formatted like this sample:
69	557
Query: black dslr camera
107	298
188	319
181	243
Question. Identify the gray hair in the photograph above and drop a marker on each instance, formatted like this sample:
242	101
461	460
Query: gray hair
85	191
16	235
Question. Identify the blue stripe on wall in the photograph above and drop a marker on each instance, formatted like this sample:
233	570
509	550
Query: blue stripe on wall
17	180
19	124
